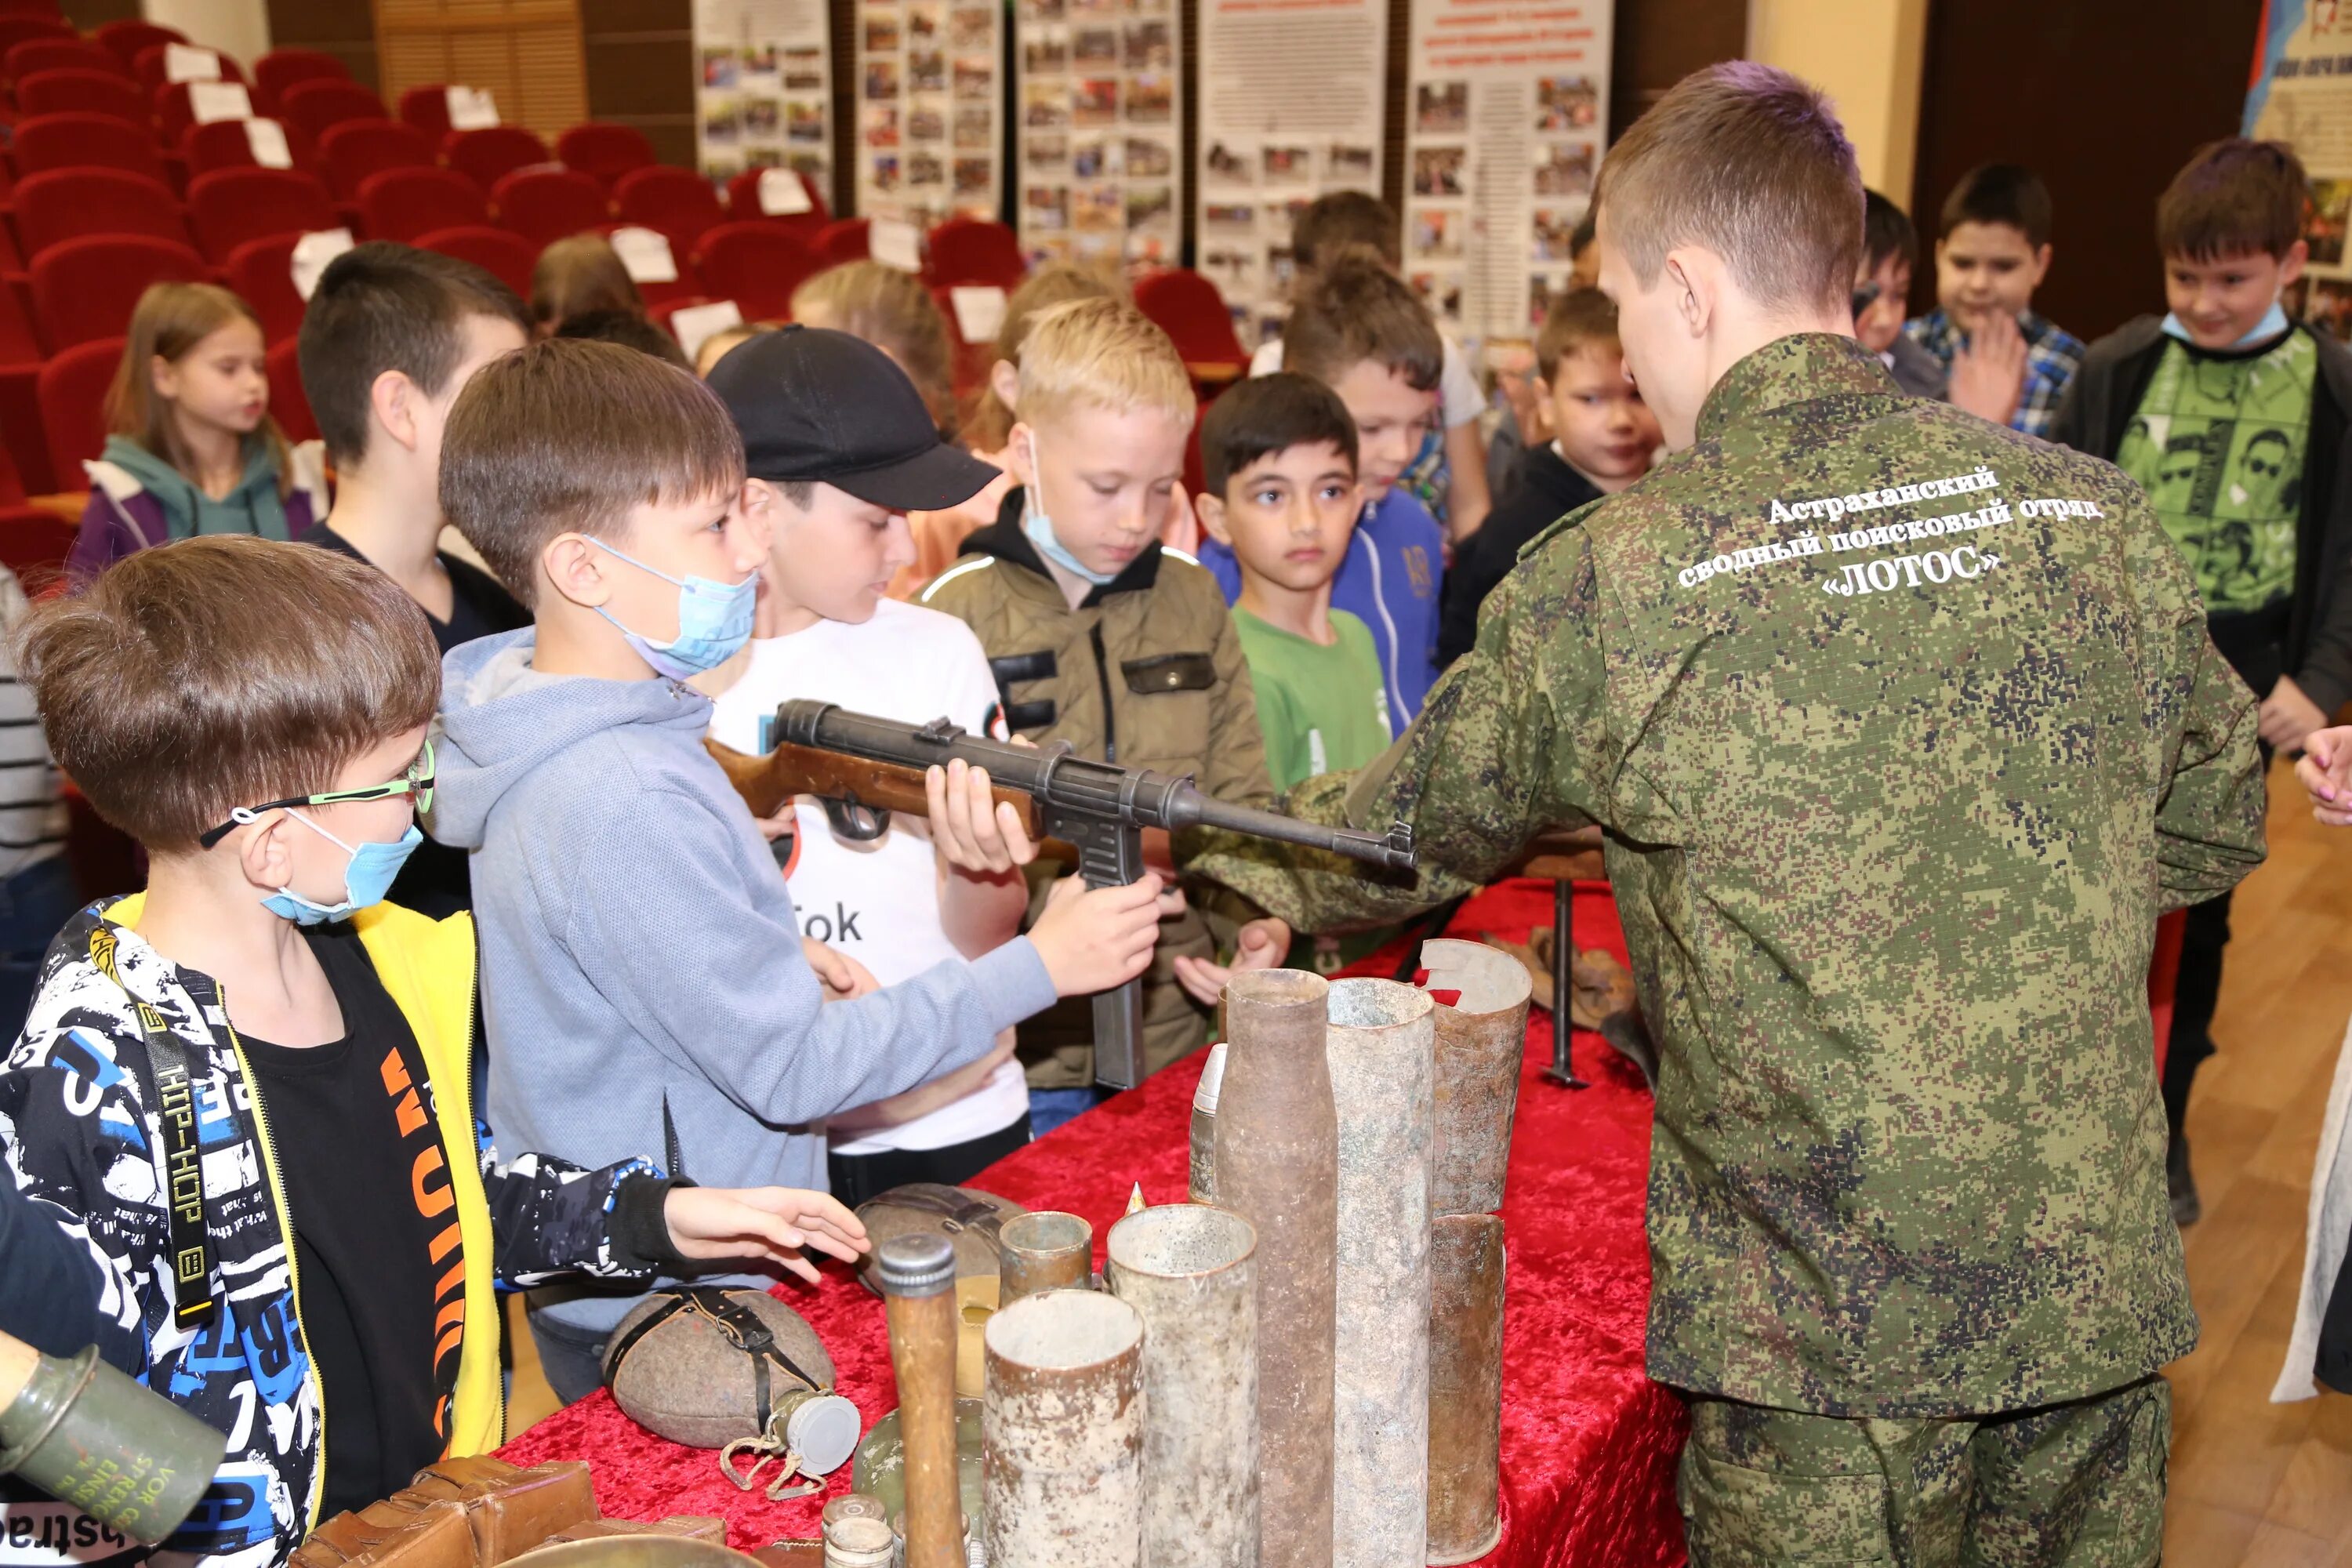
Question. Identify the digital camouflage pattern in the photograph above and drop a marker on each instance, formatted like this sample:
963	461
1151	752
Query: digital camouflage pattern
2079	1485
1904	728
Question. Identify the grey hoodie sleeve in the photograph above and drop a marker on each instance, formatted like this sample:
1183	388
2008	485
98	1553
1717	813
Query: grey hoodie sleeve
722	981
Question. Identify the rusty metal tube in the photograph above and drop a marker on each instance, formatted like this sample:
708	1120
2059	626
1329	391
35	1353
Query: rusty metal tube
1481	1049
1062	1433
1381	1047
1465	1387
1277	1166
1044	1250
1190	1271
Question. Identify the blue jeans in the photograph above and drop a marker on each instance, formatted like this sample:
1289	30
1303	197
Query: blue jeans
35	905
571	1358
1049	1107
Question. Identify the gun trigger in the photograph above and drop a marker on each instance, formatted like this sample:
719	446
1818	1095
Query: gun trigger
856	821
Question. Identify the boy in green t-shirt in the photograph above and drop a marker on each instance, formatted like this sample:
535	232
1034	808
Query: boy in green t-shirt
1279	454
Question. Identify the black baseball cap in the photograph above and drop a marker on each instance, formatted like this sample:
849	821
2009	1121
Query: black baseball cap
822	405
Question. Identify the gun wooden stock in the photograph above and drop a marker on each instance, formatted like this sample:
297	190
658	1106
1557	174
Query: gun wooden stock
767	783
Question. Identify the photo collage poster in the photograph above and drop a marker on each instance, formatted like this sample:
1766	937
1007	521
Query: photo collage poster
928	100
766	96
1098	106
1290	109
1506	112
2302	95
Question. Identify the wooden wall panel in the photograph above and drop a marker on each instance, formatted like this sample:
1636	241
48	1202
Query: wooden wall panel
344	29
641	70
528	53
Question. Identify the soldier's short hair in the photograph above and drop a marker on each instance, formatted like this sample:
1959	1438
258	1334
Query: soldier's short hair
570	435
1353	309
1271	413
1581	318
1752	163
2233	197
2007	194
219	672
1100	353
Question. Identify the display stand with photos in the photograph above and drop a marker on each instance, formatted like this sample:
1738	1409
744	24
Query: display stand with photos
765	94
1098	129
929	94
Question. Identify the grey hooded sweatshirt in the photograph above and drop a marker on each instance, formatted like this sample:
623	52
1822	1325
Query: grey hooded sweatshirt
639	954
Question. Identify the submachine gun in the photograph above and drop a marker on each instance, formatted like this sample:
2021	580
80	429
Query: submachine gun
1093	814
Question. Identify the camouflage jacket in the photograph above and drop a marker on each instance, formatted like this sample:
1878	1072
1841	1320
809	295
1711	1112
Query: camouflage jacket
1904	728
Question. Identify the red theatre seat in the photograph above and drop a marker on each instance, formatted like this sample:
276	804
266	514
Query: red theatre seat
489	155
678	202
130	40
15	30
840	243
975	250
355	149
230	206
428	109
176	113
318	104
21	430
261	273
757	265
84	91
224	144
84	288
400	203
280	69
1189	309
73	406
605	153
54	55
87	142
152	70
544	206
743	204
34	544
288	405
507	256
67	204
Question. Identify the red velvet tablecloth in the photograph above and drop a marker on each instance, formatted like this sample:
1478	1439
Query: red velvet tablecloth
1588	1443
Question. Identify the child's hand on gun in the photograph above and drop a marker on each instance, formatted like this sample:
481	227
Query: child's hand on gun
770	1223
977	833
1096	939
2326	772
1261	945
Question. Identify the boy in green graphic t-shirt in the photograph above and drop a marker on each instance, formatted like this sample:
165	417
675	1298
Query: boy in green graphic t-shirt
2234	420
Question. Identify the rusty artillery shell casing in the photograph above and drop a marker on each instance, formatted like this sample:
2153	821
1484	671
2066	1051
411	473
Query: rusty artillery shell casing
1465	1387
919	1282
1190	1271
1044	1250
1062	1433
1381	1046
1481	1049
1277	1167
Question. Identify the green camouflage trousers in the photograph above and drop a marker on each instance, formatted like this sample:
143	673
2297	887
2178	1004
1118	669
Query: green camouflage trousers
2079	1485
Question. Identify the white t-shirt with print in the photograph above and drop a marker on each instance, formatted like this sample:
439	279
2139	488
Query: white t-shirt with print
878	903
1457	389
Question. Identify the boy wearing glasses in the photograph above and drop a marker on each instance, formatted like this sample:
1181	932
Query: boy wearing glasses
246	1089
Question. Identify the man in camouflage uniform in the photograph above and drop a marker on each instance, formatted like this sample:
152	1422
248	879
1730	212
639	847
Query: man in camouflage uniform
1905	728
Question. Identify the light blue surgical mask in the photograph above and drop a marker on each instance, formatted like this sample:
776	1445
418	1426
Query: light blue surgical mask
366	879
714	620
2272	323
1039	527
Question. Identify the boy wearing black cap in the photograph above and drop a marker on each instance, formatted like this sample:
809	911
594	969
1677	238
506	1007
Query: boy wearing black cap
643	978
827	632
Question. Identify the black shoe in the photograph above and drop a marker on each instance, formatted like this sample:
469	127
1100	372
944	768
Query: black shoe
2181	1185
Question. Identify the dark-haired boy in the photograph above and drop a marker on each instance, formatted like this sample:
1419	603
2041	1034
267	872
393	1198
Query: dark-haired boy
254	714
2006	363
2235	420
390	338
1605	438
645	977
631	329
1890	249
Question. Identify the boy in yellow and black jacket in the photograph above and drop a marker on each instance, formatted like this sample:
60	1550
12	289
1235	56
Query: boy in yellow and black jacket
247	1087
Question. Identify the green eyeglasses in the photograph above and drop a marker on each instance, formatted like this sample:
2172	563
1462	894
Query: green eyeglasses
417	782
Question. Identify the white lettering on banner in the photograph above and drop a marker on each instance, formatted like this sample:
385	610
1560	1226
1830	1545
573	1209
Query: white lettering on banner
1888	573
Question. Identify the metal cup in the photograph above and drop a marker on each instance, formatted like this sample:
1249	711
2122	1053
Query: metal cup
1044	1250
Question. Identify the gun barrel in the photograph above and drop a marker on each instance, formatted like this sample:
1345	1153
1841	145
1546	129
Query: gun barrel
1390	851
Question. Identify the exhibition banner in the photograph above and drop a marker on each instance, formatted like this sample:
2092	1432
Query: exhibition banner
928	99
766	95
2302	94
1098	129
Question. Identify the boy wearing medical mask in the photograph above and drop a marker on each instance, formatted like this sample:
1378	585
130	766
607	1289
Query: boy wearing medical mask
1101	636
2233	418
644	977
246	1088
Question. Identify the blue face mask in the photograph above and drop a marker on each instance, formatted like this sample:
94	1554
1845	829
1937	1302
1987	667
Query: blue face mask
1039	528
2272	323
714	620
365	881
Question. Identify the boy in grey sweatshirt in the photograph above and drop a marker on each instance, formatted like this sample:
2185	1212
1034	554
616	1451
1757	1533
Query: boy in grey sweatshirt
643	983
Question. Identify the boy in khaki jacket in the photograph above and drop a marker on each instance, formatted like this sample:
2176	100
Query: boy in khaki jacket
1100	637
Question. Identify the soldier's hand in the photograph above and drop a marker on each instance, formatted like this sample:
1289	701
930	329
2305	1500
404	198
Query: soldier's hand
2288	716
1260	945
975	831
2326	772
1095	938
1989	372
